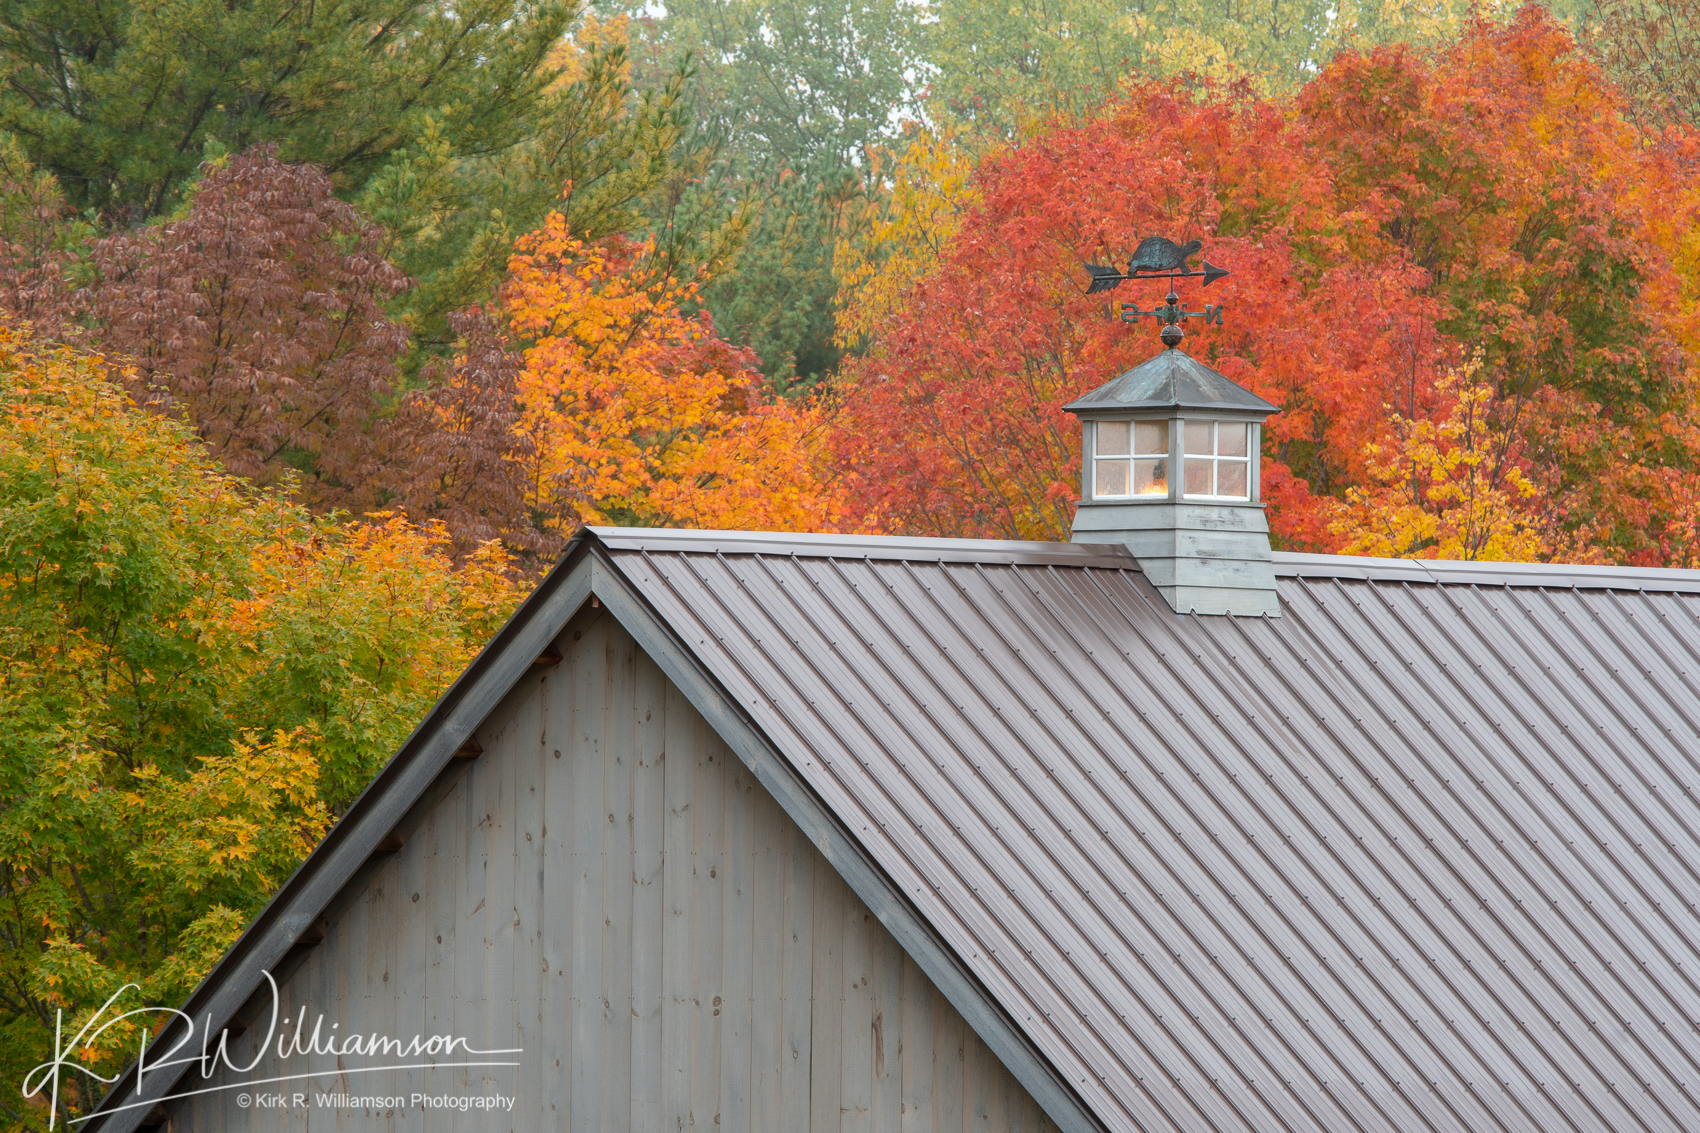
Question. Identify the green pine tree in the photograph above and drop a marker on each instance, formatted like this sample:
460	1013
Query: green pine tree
120	100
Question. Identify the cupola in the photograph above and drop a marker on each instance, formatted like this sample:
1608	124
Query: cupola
1169	468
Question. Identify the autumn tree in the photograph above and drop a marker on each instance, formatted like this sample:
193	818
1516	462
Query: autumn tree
930	174
1009	67
1403	210
639	414
196	676
1653	50
1446	487
785	100
451	127
259	319
457	455
619	152
35	229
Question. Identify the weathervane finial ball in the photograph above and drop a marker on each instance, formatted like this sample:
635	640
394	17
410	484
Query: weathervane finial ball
1172	335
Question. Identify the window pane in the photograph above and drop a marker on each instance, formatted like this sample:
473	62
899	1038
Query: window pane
1112	438
1150	477
1198	474
1111	478
1230	478
1230	438
1197	443
1151	438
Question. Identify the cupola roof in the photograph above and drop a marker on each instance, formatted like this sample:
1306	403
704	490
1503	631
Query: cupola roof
1173	379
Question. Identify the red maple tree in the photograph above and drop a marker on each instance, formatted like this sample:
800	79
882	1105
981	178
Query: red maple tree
1403	214
259	319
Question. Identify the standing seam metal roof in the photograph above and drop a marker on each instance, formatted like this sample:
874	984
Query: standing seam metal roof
1419	855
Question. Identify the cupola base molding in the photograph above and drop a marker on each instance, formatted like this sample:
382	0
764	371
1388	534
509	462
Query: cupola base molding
1203	558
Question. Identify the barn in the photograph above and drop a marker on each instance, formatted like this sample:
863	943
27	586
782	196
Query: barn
1154	830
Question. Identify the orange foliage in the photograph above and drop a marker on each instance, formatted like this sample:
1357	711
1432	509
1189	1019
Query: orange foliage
1401	213
640	414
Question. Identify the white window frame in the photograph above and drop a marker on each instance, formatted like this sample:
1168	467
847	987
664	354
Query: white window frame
1131	457
1216	460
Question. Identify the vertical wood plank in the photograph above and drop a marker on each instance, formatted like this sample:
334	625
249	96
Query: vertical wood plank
979	1084
590	680
471	951
373	932
679	773
556	1043
441	888
707	916
918	1039
529	755
950	1038
827	1052
328	986
889	1035
768	935
412	956
796	1037
649	810
738	943
496	1017
856	1081
619	755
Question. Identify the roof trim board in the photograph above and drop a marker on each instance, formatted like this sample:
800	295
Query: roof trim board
427	756
895	547
1562	576
1115	556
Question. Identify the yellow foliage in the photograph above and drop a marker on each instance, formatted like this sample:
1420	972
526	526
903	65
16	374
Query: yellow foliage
195	676
931	178
642	415
569	52
1445	489
255	807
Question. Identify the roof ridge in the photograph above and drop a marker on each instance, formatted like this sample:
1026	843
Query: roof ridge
900	547
1455	572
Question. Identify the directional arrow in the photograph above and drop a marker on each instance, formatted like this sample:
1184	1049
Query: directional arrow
1109	278
1103	278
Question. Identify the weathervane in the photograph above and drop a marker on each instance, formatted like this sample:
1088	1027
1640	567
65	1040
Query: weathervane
1158	257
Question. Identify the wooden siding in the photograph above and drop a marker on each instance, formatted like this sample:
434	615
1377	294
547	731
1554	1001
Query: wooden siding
608	888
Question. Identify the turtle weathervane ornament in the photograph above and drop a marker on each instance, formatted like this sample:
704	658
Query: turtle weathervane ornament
1159	257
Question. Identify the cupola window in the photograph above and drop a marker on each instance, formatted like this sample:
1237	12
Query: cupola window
1130	458
1218	460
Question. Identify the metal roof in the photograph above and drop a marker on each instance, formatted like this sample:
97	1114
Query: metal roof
1422	854
1171	379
